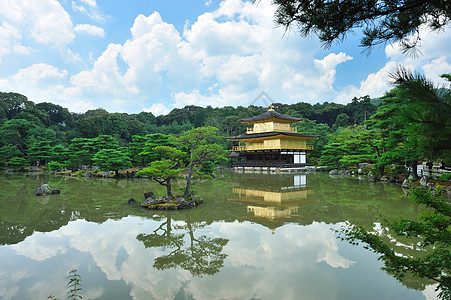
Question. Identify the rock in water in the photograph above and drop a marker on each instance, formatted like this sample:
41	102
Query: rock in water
333	172
166	203
43	189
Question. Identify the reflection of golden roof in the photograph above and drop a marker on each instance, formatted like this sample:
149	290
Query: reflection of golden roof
285	196
272	212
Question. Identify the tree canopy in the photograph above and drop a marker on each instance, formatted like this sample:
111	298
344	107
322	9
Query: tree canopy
382	22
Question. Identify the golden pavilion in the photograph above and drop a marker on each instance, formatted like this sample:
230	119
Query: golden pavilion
271	142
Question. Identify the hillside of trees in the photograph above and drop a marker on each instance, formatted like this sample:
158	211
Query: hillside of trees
408	124
44	132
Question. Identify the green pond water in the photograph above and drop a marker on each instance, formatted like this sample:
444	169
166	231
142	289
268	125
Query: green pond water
257	236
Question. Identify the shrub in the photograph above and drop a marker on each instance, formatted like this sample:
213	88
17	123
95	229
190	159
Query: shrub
54	166
445	177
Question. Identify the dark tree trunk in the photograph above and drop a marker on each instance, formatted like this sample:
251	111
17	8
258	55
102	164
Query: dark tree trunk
169	187
188	180
382	170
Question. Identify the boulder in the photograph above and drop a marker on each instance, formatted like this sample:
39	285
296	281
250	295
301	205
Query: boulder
388	178
405	183
372	178
447	191
43	189
171	203
344	172
424	181
88	174
148	195
333	172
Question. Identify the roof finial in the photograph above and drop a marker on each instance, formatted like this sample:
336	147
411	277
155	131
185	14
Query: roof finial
271	108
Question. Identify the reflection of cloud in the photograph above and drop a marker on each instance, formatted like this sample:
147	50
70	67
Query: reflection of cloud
286	263
40	246
430	293
9	286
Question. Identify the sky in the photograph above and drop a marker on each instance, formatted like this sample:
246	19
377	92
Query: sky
154	56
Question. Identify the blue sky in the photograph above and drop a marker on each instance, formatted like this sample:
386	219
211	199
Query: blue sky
132	56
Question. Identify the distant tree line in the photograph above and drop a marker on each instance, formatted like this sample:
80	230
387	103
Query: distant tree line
45	132
409	123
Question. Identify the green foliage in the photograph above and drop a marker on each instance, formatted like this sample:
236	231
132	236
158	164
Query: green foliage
147	152
74	285
396	169
347	147
112	160
383	22
207	167
54	166
445	177
426	109
7	152
201	146
167	168
17	162
434	248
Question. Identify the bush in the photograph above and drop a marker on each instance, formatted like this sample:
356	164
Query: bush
207	167
445	177
396	169
80	173
54	166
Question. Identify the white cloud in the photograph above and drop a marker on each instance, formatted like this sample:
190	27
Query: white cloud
91	3
25	22
9	36
90	29
157	109
375	85
89	8
432	61
234	49
226	57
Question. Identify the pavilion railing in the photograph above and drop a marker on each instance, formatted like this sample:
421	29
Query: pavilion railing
244	148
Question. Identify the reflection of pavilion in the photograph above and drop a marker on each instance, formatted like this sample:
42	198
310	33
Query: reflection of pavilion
279	199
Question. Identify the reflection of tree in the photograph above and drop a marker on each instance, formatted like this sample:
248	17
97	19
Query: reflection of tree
201	256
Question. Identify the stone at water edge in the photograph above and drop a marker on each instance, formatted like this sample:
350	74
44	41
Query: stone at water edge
172	203
333	172
43	189
424	181
405	183
148	195
373	178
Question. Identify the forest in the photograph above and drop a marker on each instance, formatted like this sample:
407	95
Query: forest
408	124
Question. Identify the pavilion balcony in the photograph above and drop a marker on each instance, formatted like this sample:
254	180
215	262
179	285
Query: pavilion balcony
255	147
251	130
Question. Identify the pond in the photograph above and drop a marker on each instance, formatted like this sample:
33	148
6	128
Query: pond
257	236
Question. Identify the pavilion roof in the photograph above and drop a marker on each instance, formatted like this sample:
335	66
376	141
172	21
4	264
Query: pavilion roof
271	114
